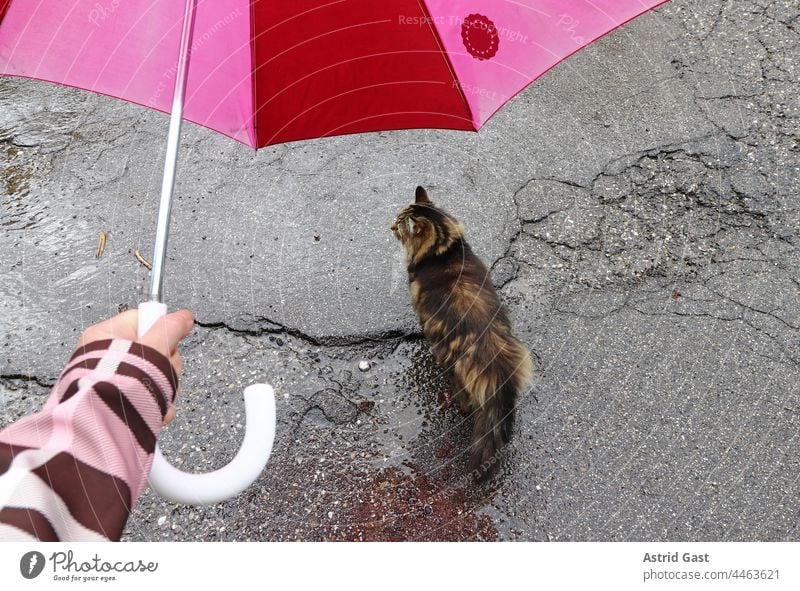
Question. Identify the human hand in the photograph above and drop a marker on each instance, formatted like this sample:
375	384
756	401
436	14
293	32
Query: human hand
164	337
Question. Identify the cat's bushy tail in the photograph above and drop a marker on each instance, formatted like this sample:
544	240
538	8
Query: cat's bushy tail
509	373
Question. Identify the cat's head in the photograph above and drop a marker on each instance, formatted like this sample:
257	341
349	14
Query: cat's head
425	230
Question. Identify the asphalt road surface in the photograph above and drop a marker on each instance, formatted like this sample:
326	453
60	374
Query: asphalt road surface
637	204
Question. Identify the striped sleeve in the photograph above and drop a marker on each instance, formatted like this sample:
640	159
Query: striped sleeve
73	471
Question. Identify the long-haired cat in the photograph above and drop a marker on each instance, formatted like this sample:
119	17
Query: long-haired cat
468	328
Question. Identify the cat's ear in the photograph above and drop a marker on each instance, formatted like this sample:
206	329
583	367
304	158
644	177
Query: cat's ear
421	196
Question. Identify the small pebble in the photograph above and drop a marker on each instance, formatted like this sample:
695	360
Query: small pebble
162	520
363	365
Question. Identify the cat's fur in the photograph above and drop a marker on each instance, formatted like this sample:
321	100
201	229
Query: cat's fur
466	325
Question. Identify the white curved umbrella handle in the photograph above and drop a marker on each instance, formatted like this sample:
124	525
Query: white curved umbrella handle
246	466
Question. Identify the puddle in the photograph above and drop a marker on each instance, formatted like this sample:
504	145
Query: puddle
19	210
411	419
407	505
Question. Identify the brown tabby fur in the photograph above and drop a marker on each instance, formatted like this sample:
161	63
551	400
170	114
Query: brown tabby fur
466	325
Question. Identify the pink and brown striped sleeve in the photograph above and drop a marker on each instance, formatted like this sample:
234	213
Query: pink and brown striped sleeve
73	471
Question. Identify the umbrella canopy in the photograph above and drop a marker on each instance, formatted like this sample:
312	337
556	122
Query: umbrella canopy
265	72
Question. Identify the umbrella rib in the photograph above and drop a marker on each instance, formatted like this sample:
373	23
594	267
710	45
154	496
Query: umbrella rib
456	82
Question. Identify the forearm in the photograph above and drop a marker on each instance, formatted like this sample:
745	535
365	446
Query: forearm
74	470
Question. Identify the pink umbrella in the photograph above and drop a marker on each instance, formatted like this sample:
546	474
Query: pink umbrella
264	72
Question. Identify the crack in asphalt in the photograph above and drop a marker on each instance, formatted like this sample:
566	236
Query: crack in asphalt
25	378
317	341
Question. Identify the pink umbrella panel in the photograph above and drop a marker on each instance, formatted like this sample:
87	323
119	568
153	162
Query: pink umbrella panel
266	72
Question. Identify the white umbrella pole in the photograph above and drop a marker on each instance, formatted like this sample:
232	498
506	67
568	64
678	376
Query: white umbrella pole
171	157
247	465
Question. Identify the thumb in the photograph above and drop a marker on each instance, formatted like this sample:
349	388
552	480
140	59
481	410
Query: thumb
168	331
